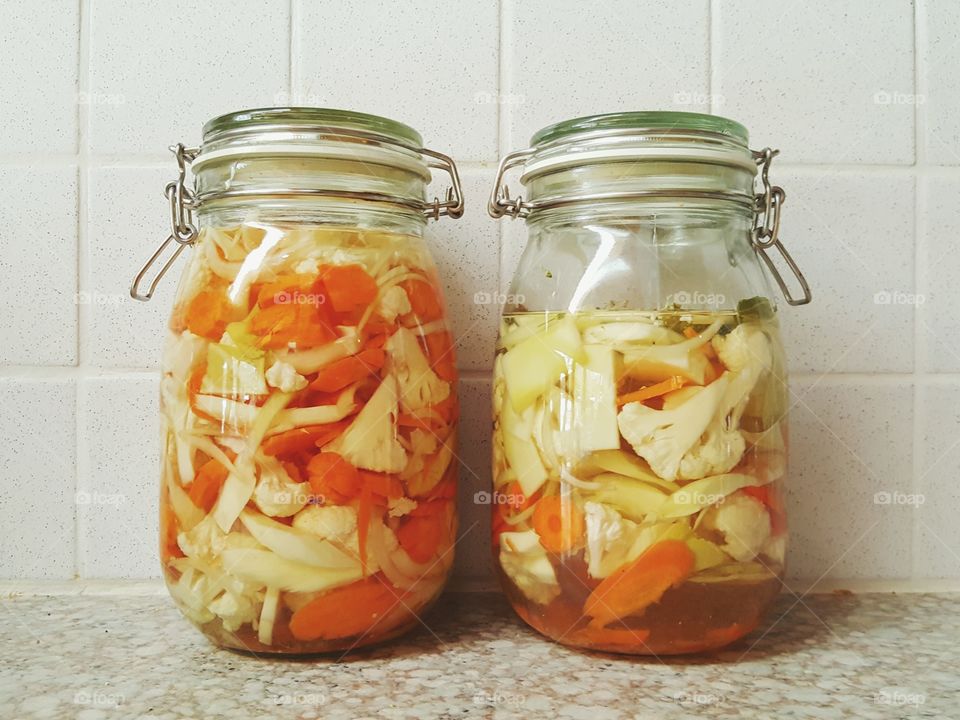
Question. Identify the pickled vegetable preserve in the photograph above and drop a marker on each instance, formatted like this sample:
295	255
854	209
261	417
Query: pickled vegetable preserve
308	396
640	429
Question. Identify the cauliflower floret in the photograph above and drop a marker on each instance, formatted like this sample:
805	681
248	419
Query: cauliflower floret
234	609
744	523
277	495
525	562
698	432
205	541
400	506
335	522
392	303
371	440
663	437
743	347
419	384
285	378
307	266
613	540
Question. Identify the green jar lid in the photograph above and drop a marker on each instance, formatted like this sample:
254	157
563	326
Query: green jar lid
309	119
646	120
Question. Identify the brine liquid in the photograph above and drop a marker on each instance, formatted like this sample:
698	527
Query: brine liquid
582	571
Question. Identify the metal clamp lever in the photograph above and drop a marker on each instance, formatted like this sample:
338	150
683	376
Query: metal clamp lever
766	229
452	206
183	231
500	202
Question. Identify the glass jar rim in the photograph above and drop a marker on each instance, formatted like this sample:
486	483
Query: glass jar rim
656	120
312	119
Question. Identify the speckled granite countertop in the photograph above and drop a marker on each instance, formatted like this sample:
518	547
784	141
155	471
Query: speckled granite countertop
108	657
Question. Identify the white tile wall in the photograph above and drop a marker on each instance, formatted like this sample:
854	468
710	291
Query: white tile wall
861	97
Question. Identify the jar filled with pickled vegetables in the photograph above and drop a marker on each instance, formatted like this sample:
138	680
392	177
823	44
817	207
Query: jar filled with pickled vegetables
308	392
640	399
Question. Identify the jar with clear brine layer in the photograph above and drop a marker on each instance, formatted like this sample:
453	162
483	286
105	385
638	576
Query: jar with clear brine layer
308	396
640	397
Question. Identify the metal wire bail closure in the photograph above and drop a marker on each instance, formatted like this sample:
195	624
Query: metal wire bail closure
766	229
183	231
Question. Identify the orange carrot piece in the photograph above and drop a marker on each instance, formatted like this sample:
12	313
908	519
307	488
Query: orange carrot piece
407	420
303	324
381	484
424	300
651	391
348	370
345	611
333	477
333	431
169	547
441	355
296	440
559	523
420	536
349	287
635	586
208	313
206	486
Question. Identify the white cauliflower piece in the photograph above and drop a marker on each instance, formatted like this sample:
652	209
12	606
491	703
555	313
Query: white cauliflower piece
613	540
205	541
744	523
398	507
334	522
609	539
526	563
235	609
371	441
284	377
419	384
307	266
276	494
392	303
663	437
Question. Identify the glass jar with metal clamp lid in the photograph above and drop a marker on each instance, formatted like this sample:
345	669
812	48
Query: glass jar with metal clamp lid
640	428
308	396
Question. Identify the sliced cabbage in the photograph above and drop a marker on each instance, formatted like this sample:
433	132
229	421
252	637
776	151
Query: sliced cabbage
293	544
533	365
634	499
705	492
268	615
526	563
268	568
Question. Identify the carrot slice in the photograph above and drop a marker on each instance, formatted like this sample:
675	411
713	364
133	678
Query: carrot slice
279	325
333	430
333	477
208	313
348	370
420	536
651	391
559	523
424	301
441	355
349	287
345	611
381	484
169	547
635	586
206	486
297	440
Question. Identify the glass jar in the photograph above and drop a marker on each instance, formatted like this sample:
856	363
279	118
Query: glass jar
640	397
308	397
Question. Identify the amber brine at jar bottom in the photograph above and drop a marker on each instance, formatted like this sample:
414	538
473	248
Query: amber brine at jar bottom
693	617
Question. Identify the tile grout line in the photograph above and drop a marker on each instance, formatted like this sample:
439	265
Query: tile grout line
81	465
919	280
293	43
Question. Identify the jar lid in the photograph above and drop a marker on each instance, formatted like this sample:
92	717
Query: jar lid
662	120
634	156
661	136
312	132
